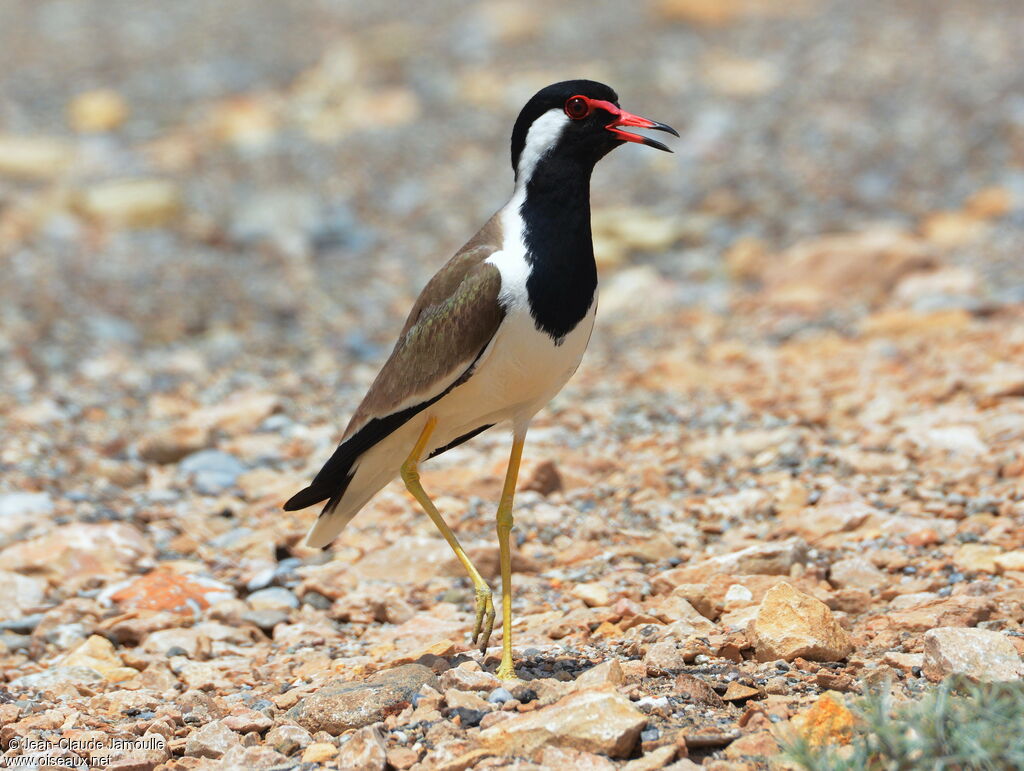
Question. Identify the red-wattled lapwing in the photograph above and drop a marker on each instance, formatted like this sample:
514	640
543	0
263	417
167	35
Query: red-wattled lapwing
495	334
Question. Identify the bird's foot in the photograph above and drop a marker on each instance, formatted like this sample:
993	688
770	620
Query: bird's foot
484	616
506	670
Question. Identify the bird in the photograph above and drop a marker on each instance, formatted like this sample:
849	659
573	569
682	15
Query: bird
493	336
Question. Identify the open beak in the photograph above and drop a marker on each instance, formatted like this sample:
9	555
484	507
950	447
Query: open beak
623	118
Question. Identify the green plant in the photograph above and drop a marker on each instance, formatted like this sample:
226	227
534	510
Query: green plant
957	726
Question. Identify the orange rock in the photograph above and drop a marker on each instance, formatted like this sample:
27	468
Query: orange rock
168	590
990	202
827	721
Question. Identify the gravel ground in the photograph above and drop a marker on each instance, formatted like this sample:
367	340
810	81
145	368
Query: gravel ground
790	468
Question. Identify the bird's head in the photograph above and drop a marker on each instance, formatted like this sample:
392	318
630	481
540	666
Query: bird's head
575	120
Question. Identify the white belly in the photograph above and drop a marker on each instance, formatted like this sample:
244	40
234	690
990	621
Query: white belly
521	371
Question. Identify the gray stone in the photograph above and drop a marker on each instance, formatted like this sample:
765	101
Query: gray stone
266	619
341	706
212	471
54	676
12	504
273	598
977	653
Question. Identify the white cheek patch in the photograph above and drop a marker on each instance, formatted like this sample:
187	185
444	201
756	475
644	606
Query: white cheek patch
543	135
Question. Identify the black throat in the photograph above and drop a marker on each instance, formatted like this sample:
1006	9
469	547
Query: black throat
559	246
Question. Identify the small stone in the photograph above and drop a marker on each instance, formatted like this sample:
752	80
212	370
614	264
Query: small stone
212	740
657	758
977	653
98	653
20	594
364	751
244	721
402	758
56	676
737	596
760	744
597	720
790	623
130	203
78	551
34	157
762	559
287	739
465	699
340	706
664	657
212	471
250	758
242	413
13	504
171	444
606	673
95	111
273	598
739	692
465	678
695	689
857	573
593	594
319	752
976	558
544	479
959	610
1011	561
499	696
266	619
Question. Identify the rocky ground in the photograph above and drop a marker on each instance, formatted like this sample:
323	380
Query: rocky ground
790	469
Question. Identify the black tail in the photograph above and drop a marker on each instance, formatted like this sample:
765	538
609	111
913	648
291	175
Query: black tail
330	482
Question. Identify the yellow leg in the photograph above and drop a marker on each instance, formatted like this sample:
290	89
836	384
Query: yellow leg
411	476
506	671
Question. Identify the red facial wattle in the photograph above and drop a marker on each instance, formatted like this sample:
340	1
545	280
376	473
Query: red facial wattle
574	108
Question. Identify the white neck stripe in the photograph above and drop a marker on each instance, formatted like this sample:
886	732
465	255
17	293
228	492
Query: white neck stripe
543	135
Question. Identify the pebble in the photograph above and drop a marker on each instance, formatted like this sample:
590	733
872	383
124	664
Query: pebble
79	551
273	598
603	721
98	110
364	750
288	739
857	573
34	157
977	653
212	471
340	706
99	654
21	594
13	504
792	624
212	740
130	203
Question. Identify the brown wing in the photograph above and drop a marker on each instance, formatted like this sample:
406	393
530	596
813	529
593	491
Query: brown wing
437	348
451	323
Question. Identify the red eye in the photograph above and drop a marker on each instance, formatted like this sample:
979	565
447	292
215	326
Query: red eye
578	107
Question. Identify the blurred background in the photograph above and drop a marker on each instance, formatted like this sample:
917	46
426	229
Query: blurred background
200	201
214	217
286	175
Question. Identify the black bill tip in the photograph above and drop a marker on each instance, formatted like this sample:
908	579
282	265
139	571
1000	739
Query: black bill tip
663	127
656	144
